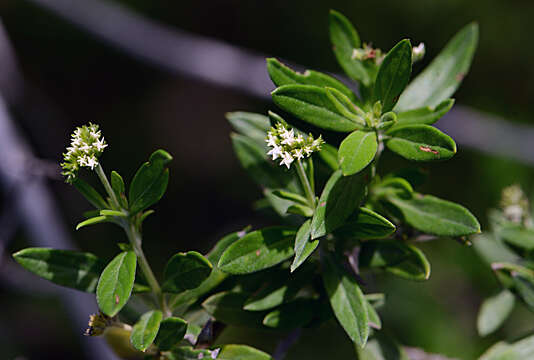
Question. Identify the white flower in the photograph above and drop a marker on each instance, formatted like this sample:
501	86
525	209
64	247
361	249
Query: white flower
100	144
91	162
271	140
418	52
297	153
276	152
287	159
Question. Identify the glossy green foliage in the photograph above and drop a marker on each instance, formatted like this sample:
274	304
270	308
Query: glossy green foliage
92	221
282	75
345	39
73	269
494	311
346	299
346	106
145	330
396	257
116	283
227	307
425	115
258	250
439	80
340	197
357	151
313	105
393	75
185	271
420	143
171	331
366	224
150	182
292	315
90	194
241	352
304	246
436	216
119	188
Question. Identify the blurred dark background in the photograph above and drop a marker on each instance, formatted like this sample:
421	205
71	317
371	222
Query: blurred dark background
70	76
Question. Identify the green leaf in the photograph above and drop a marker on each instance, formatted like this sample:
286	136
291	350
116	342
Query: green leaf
216	276
294	314
382	347
420	143
258	250
253	158
396	257
507	272
524	285
312	104
347	300
345	39
113	213
435	216
150	182
241	352
304	246
302	210
341	196
424	115
357	151
393	75
283	75
63	267
287	195
254	126
374	318
517	236
329	155
92	221
116	283
366	224
188	353
185	271
90	194
227	307
278	204
520	350
117	184
442	77
145	330
171	331
494	311
345	106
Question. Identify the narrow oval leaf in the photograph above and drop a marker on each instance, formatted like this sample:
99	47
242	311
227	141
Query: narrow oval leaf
395	257
282	75
241	352
517	236
258	250
329	155
445	73
253	158
345	39
145	330
420	143
150	182
287	195
524	286
302	210
341	196
227	307
90	194
366	224
311	104
520	350
304	246
117	184
357	151
116	283
63	267
171	331
393	186
185	271
92	221
436	216
347	300
294	314
345	106
425	115
494	311
393	75
254	126
374	318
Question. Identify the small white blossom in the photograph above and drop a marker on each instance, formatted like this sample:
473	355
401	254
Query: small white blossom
418	52
87	144
288	146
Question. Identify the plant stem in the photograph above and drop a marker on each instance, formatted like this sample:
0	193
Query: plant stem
102	176
134	235
378	153
305	184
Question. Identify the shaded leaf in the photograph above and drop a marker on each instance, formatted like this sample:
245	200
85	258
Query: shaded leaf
185	271
171	331
292	315
425	115
90	193
366	224
241	352
517	236
117	184
329	155
227	307
494	311
304	246
520	350
254	126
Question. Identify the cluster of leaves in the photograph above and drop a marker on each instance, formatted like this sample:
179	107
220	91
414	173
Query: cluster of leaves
338	218
508	249
359	221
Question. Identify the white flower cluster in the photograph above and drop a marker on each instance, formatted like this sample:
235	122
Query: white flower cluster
287	146
87	144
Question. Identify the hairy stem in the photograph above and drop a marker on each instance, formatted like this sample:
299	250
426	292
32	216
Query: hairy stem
306	184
